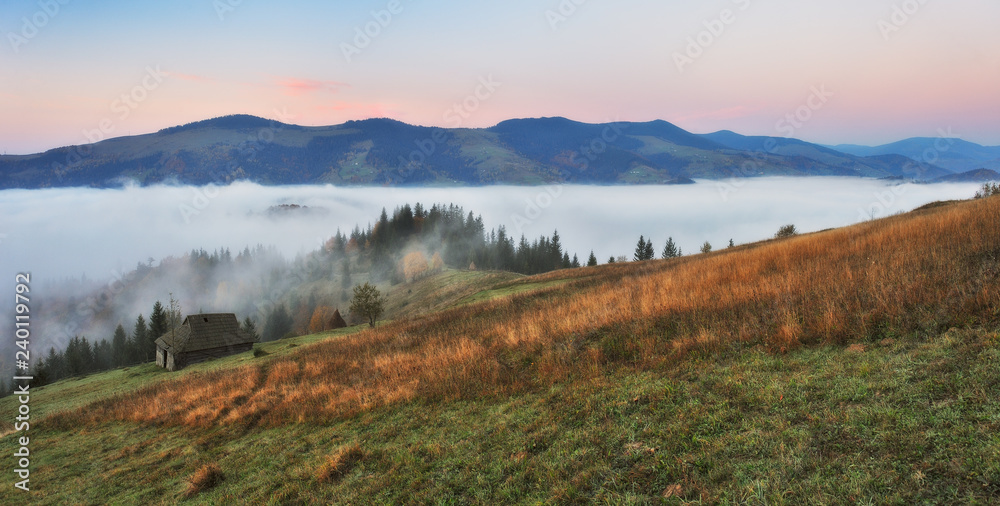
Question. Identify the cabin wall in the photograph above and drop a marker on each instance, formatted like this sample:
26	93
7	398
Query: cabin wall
194	357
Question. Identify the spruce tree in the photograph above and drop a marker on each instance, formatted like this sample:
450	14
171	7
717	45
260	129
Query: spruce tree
643	250
55	365
158	324
85	356
143	342
250	328
345	277
576	261
592	261
640	250
279	323
119	347
103	356
670	250
559	259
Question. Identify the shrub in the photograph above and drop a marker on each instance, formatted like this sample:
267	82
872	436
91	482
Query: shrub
786	231
988	190
206	477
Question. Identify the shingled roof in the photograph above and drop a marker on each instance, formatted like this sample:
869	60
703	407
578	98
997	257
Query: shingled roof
204	332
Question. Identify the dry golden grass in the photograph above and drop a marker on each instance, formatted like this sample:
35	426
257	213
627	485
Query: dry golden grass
340	463
206	477
920	272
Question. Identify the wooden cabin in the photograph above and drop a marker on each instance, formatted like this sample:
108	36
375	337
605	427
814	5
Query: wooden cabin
201	337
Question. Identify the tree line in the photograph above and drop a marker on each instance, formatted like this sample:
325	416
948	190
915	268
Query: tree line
81	356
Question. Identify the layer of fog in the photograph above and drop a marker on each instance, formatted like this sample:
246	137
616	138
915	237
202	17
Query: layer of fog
60	233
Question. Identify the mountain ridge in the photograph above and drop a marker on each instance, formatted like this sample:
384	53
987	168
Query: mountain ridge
385	151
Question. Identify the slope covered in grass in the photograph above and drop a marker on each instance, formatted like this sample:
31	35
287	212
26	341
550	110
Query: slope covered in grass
817	368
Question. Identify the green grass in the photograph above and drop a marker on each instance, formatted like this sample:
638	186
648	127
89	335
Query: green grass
913	421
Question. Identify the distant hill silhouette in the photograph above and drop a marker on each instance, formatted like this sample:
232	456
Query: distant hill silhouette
388	152
955	155
972	176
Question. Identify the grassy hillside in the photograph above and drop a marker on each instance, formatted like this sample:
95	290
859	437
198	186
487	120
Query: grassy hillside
853	365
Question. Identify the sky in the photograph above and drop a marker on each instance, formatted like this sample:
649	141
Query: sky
854	71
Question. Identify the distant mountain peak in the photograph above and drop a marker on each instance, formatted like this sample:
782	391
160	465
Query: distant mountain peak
231	122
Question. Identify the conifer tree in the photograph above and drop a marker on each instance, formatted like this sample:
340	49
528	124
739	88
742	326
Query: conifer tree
250	328
158	324
643	250
103	356
592	261
345	277
279	323
670	249
119	347
143	342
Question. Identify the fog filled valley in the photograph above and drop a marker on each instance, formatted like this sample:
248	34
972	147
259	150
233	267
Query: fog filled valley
285	256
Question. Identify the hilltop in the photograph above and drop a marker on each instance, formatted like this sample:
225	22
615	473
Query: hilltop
850	365
518	151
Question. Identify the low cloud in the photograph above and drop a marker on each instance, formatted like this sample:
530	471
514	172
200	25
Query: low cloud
68	232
